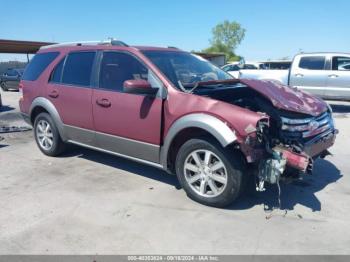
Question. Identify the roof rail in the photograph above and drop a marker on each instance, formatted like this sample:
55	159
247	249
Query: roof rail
111	41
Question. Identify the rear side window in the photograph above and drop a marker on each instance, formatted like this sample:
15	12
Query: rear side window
57	72
78	68
38	65
312	62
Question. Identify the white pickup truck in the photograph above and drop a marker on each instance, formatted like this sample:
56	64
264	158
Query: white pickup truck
324	74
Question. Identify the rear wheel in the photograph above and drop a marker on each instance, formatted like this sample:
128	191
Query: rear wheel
208	173
47	136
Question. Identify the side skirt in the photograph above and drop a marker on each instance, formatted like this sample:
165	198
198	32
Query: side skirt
117	154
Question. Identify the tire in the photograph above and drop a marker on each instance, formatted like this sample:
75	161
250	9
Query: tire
56	146
197	180
3	86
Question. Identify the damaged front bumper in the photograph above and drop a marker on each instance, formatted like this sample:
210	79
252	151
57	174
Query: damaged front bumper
282	157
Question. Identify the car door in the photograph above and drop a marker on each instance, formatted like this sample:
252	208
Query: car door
70	91
338	78
308	73
127	124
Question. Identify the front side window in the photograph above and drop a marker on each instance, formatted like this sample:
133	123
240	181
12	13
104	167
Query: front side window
78	68
184	70
312	62
38	64
117	67
341	63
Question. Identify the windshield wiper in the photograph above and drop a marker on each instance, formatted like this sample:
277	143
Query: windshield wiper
203	84
208	84
182	87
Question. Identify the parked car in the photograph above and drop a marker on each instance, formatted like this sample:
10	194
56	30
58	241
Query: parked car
176	111
235	67
326	75
10	79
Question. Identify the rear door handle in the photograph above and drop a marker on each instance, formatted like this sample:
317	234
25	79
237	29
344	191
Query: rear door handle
104	102
299	75
333	76
54	94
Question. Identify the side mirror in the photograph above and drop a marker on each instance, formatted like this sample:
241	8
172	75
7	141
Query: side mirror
139	87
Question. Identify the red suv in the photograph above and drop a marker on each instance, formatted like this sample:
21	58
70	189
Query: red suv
175	111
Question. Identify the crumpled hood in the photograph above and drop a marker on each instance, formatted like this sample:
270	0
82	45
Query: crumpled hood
287	98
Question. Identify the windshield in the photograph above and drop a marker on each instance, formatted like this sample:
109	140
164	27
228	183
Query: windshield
184	70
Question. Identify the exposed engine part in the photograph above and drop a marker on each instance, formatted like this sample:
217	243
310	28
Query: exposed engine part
270	170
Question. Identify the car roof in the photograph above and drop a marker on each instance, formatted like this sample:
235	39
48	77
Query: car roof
78	47
323	53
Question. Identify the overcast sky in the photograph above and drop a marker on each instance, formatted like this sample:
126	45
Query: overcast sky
275	29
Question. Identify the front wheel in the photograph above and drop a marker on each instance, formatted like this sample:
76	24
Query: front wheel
209	174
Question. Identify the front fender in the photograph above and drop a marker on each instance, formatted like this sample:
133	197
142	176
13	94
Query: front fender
209	123
51	109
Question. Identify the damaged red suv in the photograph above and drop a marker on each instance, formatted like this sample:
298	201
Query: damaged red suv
176	111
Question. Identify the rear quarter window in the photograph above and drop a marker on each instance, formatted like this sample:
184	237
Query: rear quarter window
38	64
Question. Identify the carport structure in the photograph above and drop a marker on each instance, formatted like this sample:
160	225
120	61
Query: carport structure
21	47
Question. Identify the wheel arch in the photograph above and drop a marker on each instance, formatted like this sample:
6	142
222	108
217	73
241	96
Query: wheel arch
195	125
41	104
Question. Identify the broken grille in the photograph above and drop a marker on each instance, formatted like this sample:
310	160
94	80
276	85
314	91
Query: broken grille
307	127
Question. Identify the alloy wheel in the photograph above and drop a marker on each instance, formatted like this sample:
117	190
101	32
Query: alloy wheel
44	134
205	173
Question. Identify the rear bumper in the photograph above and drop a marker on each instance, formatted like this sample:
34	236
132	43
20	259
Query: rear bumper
320	143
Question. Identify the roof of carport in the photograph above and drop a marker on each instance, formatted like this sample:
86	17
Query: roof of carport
21	47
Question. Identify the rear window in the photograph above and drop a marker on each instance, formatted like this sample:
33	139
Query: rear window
77	68
38	65
312	62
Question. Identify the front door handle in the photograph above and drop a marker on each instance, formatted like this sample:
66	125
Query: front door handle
54	94
333	76
104	102
299	75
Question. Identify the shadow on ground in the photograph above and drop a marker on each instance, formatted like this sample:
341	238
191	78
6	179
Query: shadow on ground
124	164
6	108
299	192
